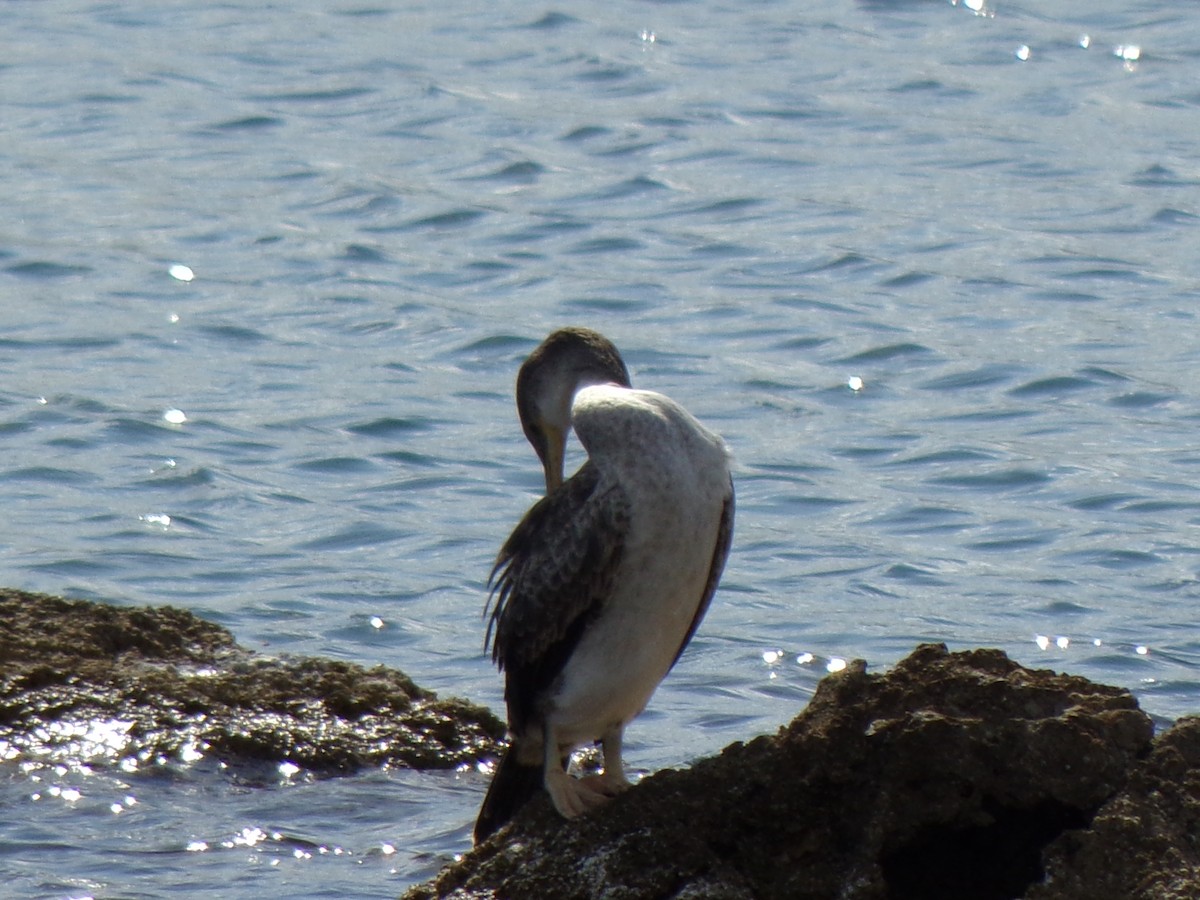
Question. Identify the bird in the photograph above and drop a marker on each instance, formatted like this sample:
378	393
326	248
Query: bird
604	581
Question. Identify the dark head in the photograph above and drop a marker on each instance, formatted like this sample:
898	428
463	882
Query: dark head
567	360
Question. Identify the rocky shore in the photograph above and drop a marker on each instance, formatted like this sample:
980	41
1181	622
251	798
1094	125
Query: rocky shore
952	775
90	681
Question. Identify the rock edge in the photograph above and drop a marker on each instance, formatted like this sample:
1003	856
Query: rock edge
953	775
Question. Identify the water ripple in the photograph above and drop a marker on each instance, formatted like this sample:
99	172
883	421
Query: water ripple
1114	559
982	377
552	21
389	426
359	536
248	123
1140	399
1010	479
1060	384
886	352
43	270
47	475
337	465
456	218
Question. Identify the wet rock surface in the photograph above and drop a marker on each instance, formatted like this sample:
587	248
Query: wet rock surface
954	775
92	682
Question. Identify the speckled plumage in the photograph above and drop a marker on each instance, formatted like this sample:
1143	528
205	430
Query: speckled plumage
605	580
556	568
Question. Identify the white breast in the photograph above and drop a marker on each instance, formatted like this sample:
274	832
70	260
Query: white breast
675	474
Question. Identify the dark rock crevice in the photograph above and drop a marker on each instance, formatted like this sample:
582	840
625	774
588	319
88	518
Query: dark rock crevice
998	860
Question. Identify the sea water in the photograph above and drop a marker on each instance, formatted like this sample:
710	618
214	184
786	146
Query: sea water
267	273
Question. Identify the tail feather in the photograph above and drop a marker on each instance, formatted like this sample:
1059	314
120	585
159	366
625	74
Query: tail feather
513	785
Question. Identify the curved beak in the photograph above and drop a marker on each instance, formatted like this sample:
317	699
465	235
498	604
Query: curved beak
552	461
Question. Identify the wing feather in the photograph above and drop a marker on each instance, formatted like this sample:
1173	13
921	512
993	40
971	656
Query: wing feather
551	578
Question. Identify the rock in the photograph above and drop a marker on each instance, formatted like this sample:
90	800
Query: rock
91	682
1145	841
954	775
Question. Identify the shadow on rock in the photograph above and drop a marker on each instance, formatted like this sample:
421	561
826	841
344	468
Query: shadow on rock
954	775
90	682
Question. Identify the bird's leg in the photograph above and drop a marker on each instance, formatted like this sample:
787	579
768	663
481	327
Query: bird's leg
569	796
614	765
613	781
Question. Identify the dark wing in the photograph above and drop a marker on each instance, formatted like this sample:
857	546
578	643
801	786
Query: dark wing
551	578
720	554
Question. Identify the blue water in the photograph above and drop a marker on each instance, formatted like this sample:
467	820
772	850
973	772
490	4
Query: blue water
940	300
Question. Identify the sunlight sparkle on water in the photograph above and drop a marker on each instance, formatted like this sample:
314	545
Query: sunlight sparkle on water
247	837
1044	642
1129	54
175	416
86	740
1062	642
181	272
854	383
835	664
69	794
979	7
